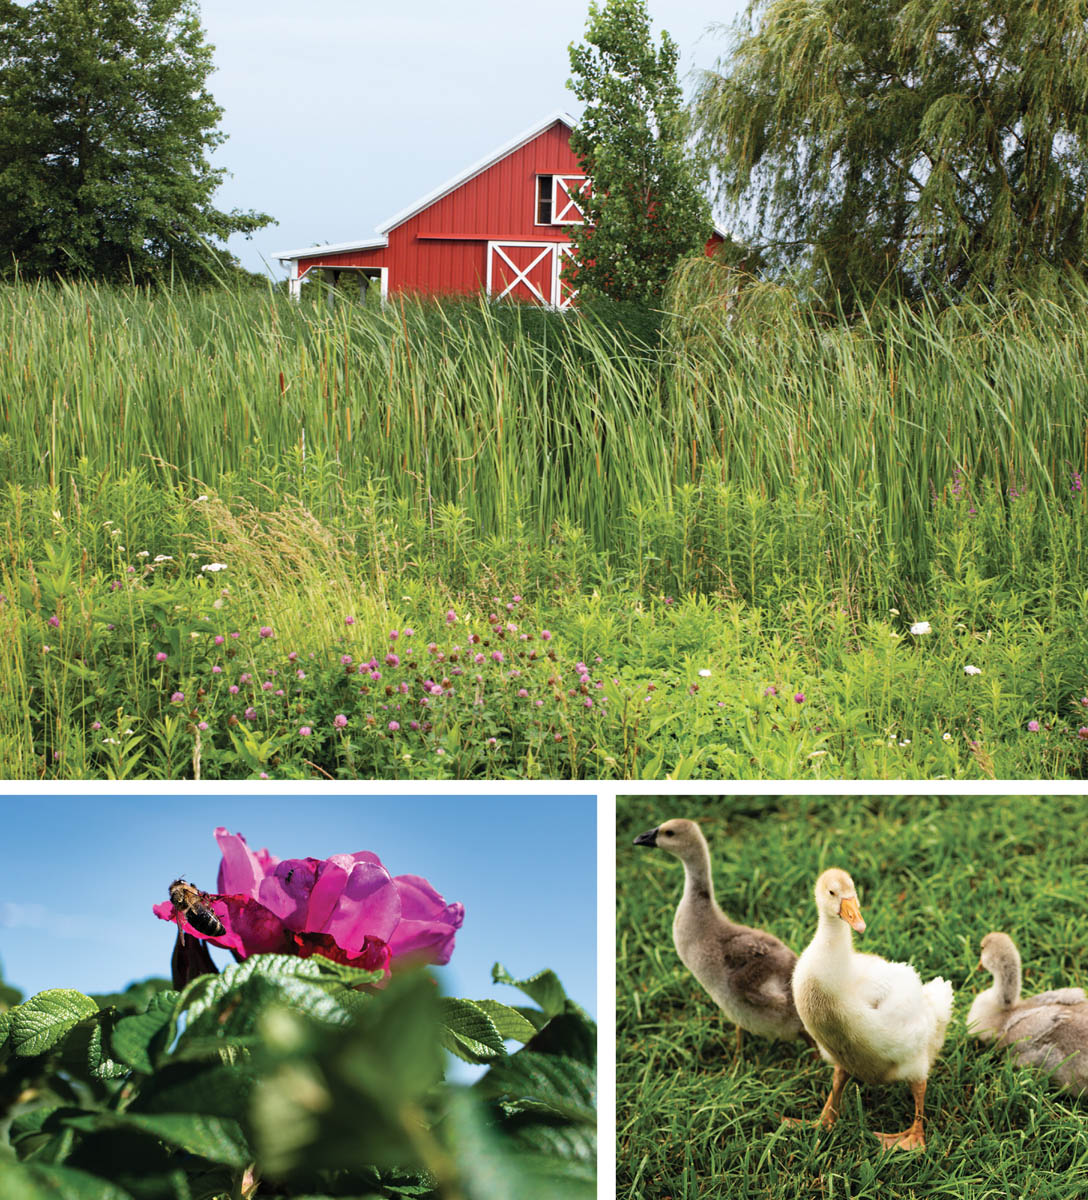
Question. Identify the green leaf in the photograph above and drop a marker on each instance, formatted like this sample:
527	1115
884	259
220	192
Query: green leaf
543	987
202	997
492	1169
40	1023
135	1039
219	1139
38	1181
468	1031
508	1021
570	1034
214	1089
529	1082
5	1038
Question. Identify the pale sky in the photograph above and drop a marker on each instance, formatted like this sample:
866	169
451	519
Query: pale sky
342	112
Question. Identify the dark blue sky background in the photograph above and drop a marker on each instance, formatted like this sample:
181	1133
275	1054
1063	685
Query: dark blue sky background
82	872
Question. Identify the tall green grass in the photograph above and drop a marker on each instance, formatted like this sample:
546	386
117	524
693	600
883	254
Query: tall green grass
738	452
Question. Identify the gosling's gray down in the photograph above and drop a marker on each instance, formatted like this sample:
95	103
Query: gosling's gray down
1048	1031
746	971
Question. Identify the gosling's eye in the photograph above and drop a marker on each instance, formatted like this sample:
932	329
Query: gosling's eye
831	891
669	833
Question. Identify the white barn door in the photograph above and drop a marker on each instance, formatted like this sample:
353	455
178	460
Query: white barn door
522	271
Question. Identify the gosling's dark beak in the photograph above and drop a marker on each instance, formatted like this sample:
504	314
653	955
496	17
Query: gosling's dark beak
649	838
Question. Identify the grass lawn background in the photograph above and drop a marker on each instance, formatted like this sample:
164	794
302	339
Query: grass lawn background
934	874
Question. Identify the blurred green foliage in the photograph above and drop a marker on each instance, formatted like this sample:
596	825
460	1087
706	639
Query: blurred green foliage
292	1077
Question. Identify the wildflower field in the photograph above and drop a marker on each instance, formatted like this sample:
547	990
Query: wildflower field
244	538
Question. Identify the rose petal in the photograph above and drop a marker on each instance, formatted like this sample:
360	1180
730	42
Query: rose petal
327	890
241	870
373	956
286	890
427	929
368	906
250	927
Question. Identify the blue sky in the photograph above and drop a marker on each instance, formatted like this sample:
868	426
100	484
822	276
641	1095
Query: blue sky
342	112
82	872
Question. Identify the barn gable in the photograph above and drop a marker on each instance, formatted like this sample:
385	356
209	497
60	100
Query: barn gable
500	226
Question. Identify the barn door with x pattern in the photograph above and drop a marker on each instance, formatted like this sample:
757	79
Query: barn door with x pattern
565	291
521	271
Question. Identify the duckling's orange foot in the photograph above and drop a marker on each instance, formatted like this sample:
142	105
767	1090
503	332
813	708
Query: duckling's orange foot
913	1138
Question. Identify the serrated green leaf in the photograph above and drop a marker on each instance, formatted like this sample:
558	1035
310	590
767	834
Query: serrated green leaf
38	1181
508	1021
491	1169
204	994
571	1034
467	1028
44	1020
530	1082
543	987
219	1139
136	1039
211	1088
5	1035
84	1052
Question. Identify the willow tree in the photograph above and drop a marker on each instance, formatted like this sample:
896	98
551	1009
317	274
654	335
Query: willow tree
933	143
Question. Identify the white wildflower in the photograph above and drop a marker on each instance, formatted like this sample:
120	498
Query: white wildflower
164	558
920	627
705	672
143	553
199	499
946	737
214	567
970	670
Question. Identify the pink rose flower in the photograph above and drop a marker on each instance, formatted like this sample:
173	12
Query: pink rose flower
346	907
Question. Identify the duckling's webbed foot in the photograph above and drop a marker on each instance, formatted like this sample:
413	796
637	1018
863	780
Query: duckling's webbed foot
913	1138
830	1112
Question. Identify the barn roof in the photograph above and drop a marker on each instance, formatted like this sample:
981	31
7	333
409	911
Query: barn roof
426	201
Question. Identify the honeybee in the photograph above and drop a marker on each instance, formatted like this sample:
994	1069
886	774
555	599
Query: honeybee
191	904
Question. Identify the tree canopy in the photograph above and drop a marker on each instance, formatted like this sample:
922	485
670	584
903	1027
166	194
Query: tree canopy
645	208
105	128
920	144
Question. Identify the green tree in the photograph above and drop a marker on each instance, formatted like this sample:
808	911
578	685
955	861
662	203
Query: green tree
105	125
928	143
646	208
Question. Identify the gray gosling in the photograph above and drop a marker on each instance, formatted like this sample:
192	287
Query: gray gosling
745	971
1048	1031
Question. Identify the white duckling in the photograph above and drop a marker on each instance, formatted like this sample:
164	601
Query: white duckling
1048	1031
746	971
872	1019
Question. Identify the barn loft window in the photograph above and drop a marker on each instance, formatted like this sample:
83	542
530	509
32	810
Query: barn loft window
557	199
545	189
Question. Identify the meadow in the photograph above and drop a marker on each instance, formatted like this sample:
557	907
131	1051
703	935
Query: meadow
693	548
934	876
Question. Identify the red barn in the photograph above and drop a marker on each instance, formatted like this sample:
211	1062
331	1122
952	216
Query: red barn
499	227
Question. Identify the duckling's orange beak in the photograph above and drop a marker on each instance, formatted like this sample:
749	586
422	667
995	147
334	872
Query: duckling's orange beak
851	913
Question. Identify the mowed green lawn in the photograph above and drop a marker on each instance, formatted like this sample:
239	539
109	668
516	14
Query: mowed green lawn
934	875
